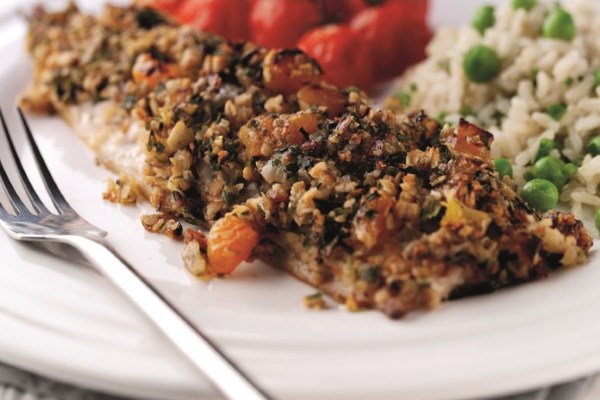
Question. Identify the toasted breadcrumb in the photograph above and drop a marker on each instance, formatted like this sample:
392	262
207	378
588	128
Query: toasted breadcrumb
123	190
163	223
315	301
195	260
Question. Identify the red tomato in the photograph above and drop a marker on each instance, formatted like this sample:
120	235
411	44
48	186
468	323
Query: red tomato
280	23
397	34
167	6
342	10
228	18
416	16
344	57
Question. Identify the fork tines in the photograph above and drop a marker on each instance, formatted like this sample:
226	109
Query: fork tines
34	199
13	196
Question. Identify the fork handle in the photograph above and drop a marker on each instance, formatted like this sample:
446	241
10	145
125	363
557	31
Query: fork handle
198	348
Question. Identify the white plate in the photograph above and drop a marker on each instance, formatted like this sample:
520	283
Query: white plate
64	321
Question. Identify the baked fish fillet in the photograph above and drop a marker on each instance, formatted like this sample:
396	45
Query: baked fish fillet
378	210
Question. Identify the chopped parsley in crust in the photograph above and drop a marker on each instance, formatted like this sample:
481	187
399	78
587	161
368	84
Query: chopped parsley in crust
377	210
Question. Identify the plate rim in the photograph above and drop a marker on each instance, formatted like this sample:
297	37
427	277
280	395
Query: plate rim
561	373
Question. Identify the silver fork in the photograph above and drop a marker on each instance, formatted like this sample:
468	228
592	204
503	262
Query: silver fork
67	227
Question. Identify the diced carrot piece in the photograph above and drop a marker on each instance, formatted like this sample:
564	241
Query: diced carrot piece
230	242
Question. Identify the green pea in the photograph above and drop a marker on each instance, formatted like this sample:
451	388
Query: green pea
481	64
551	169
503	167
540	194
597	77
559	24
556	111
526	4
593	146
597	219
578	161
484	18
546	146
466	111
405	98
569	170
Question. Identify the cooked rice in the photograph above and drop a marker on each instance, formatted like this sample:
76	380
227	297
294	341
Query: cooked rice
536	72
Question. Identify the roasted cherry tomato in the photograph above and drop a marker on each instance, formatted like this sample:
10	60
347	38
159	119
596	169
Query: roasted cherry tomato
396	33
344	57
341	10
280	23
167	6
228	18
